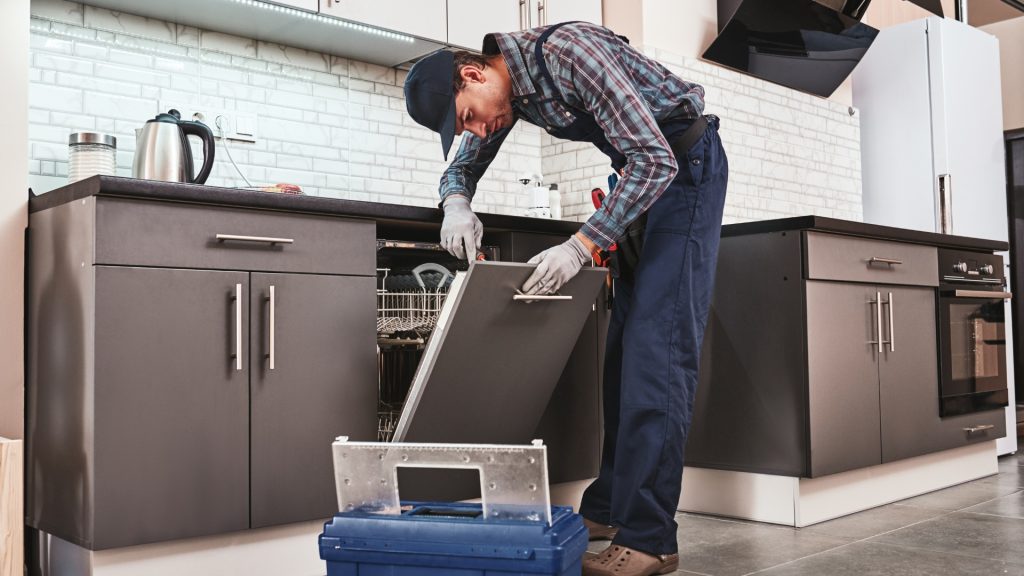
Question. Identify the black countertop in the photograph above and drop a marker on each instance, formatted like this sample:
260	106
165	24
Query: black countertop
398	214
861	229
215	195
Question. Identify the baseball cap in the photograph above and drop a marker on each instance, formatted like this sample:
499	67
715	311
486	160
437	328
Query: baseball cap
429	95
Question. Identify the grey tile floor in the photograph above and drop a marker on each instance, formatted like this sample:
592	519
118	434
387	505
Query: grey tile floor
975	528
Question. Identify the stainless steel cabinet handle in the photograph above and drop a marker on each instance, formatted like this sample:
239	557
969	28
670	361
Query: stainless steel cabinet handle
524	15
273	314
878	321
238	327
892	329
877	260
972	429
542	15
982	294
263	239
945	203
531	297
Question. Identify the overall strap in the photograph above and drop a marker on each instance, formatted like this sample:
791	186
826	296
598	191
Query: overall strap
538	55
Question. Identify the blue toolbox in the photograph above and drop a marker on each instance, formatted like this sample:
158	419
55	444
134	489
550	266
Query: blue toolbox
513	531
439	539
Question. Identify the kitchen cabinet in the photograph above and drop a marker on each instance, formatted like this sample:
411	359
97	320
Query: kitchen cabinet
931	129
170	447
313	327
291	23
547	12
821	356
310	5
426	19
867	404
842	377
469	21
191	365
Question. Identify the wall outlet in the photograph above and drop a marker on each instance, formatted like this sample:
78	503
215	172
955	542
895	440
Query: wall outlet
230	124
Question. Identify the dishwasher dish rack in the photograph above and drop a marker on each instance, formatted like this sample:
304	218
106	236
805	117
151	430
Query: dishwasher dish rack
407	309
404	307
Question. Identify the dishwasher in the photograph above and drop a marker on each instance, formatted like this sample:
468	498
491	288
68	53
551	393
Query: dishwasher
497	372
413	279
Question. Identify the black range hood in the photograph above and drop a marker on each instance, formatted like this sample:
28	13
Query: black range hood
801	44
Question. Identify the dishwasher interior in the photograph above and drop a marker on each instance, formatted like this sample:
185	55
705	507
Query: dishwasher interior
413	278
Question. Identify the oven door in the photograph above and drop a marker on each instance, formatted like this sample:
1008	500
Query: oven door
972	353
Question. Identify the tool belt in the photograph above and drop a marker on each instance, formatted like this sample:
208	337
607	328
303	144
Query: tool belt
626	257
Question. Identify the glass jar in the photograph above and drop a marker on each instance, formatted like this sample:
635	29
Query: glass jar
91	153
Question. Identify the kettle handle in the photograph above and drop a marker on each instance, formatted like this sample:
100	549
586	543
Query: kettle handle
191	128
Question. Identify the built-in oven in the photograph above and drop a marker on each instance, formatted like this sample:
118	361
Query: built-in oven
972	332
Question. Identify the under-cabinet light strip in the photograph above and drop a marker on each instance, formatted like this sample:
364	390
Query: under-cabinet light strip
326	20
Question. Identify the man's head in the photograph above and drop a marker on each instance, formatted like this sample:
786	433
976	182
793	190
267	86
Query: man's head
452	91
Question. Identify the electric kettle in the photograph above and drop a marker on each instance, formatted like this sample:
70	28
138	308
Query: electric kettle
162	151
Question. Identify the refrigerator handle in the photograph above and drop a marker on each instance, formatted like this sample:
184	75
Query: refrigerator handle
946	203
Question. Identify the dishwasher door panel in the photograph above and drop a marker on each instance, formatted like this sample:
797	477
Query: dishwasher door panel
491	365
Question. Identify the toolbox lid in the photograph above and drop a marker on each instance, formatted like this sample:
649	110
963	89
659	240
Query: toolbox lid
492	363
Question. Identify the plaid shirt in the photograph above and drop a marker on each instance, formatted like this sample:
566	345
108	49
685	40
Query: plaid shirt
626	93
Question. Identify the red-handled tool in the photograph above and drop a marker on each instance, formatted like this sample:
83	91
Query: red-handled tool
597	197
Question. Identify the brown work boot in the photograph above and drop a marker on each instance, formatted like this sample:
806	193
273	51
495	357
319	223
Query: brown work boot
600	531
621	561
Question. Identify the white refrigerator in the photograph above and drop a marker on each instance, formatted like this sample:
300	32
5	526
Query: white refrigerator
932	150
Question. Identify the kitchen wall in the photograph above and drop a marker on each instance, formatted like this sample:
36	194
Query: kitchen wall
1011	53
339	128
14	43
789	153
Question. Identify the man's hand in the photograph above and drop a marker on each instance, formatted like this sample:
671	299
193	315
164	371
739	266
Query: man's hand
461	230
556	266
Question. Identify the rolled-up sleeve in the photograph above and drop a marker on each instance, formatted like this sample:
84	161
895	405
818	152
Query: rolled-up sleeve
470	163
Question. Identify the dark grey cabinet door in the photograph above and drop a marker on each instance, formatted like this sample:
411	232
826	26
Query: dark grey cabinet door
911	424
171	407
323	385
842	369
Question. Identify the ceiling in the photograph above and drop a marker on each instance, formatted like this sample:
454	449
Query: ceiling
982	12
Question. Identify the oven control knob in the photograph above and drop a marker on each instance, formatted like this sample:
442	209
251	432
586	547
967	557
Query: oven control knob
986	269
960	267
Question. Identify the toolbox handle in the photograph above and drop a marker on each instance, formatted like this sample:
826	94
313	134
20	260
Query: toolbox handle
513	478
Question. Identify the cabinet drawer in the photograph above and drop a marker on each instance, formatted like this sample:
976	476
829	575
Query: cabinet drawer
167	234
835	257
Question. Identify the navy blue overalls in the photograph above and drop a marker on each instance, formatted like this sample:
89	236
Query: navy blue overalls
654	339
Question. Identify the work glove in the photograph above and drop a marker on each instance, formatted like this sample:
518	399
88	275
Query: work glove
556	266
461	230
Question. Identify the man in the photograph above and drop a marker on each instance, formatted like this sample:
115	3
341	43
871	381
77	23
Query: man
582	82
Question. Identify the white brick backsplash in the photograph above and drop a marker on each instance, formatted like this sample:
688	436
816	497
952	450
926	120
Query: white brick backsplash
371	72
339	127
290	131
96	84
299	101
103	19
123	56
38	116
329	152
118	106
62	63
227	43
59	10
293	56
48	97
44	43
295	162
